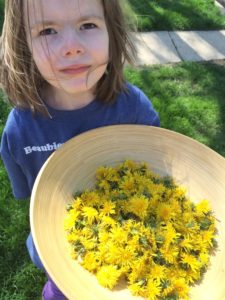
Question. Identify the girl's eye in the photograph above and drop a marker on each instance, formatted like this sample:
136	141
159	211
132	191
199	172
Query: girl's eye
88	26
47	31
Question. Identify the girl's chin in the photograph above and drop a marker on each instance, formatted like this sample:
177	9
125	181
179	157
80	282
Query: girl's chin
79	84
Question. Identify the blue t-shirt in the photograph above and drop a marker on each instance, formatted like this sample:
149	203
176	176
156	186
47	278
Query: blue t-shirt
28	140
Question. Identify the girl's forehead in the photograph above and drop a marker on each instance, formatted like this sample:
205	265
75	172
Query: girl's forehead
37	10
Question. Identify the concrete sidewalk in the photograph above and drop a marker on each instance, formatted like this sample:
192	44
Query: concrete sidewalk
163	47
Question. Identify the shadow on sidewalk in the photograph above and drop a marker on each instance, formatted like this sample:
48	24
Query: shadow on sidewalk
200	45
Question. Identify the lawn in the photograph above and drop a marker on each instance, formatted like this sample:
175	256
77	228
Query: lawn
169	14
175	14
187	102
189	98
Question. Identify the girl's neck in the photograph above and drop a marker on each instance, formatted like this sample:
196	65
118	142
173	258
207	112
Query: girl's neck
61	100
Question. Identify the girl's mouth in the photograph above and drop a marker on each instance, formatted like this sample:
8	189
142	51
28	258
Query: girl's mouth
75	69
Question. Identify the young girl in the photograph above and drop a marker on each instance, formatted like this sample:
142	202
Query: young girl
62	70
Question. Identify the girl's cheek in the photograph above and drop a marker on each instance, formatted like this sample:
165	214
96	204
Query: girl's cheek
100	47
41	45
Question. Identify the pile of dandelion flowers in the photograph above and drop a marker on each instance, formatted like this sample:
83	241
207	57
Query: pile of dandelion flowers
138	225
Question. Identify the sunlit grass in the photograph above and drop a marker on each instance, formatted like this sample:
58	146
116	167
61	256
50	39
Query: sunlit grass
189	98
176	15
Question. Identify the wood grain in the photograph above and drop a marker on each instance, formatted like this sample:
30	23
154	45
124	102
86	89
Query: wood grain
72	167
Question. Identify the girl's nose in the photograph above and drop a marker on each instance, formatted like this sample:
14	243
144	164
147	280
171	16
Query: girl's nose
72	45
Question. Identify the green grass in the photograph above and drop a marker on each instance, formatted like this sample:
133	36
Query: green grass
1	13
176	14
169	14
19	279
189	98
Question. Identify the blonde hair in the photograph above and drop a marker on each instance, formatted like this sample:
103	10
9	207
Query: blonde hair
19	76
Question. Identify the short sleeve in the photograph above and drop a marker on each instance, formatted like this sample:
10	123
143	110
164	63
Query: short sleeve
145	112
16	176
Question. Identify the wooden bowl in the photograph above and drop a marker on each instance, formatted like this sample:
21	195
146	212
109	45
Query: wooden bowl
72	167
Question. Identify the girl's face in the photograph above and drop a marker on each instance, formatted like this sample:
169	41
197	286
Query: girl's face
70	46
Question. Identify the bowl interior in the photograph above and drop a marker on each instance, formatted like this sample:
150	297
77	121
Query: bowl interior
72	167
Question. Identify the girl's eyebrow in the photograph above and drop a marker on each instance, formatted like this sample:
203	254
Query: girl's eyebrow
51	23
41	24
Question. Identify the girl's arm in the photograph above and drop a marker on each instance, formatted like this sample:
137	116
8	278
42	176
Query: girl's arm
16	176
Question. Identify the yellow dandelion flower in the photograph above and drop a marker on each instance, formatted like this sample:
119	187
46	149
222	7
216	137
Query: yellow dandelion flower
108	208
70	219
91	261
101	173
77	204
127	255
175	205
203	207
128	184
167	291
199	244
180	273
113	254
108	276
192	276
207	238
165	212
154	289
107	221
180	192
103	236
90	198
171	272
129	164
89	244
138	205
105	186
107	173
137	289
187	224
157	189
153	204
157	272
170	234
87	232
139	268
118	235
187	243
112	175
90	213
181	288
170	254
134	243
191	261
204	258
72	236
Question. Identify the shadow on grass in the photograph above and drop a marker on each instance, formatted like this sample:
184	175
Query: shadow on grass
189	98
177	15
